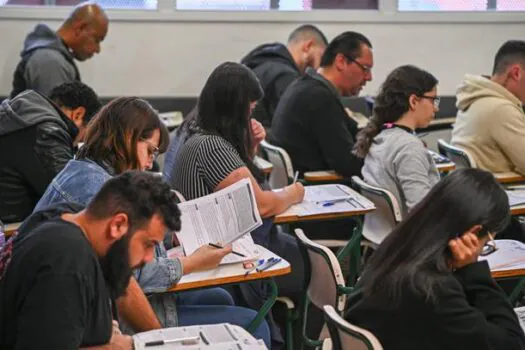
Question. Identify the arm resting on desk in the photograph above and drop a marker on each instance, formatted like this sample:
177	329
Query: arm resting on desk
160	274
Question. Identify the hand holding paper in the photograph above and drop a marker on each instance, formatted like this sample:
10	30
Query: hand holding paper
204	258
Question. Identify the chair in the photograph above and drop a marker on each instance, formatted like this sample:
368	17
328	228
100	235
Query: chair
326	285
282	174
379	223
458	156
346	336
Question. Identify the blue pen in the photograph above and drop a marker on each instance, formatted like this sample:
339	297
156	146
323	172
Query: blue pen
269	264
330	203
259	263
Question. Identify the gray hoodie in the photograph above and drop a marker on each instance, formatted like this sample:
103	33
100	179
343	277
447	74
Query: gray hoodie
46	63
28	109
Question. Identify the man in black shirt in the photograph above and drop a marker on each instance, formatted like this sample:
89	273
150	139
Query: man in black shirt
60	275
278	65
310	122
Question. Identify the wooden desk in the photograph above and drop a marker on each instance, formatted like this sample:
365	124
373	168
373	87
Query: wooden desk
445	167
286	219
517	210
322	176
265	166
11	228
443	121
230	273
509	177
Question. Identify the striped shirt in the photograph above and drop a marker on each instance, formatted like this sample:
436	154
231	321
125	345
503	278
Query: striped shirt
200	164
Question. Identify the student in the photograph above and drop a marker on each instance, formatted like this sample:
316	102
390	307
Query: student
48	57
424	287
38	136
490	124
277	65
128	134
215	149
310	122
60	275
395	158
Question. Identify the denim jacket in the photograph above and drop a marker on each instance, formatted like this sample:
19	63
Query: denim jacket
78	182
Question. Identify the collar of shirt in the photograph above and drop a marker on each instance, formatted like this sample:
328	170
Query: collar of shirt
313	73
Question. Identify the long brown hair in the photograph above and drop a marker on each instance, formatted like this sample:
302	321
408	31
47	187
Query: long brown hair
113	134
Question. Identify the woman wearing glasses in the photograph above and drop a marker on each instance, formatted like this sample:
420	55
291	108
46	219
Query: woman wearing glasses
395	158
127	134
424	287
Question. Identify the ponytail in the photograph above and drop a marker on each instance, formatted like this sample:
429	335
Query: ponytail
366	136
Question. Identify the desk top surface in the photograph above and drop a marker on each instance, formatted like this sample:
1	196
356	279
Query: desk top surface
231	273
263	164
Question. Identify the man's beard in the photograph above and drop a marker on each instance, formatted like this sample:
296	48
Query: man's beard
116	268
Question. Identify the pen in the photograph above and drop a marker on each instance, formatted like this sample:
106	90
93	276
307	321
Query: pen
296	176
233	252
332	202
194	340
269	264
259	263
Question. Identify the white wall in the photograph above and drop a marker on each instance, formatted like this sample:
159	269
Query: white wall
169	58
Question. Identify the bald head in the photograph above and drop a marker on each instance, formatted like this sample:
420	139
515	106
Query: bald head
84	30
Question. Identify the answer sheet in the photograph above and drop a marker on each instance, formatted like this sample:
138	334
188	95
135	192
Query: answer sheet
516	197
509	255
223	217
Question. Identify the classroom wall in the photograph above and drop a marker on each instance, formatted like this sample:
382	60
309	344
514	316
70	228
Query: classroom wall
155	58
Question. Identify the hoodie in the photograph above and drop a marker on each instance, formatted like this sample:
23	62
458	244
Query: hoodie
45	63
490	125
39	139
274	66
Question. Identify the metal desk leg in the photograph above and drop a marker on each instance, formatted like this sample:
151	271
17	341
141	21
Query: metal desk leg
261	314
353	247
516	291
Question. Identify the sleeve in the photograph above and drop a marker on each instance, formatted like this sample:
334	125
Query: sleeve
217	159
334	138
475	314
46	69
54	313
281	84
508	131
160	274
411	166
53	149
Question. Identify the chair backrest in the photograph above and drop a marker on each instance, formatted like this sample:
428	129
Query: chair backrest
282	173
346	336
380	222
458	156
325	276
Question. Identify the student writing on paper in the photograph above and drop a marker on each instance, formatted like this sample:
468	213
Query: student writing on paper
395	158
128	134
424	287
61	274
215	148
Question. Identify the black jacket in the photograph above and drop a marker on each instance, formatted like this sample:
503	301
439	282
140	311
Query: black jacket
470	313
276	69
36	142
311	124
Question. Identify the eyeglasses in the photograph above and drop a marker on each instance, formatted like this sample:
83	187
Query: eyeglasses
153	151
366	69
435	99
489	247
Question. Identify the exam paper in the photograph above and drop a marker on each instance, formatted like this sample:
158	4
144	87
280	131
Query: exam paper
516	197
509	255
222	218
218	336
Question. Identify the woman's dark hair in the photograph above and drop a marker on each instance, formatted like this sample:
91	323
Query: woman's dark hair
223	108
113	134
415	254
392	102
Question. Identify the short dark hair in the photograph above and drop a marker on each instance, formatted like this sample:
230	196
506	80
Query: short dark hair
113	134
308	31
511	52
75	94
348	44
140	195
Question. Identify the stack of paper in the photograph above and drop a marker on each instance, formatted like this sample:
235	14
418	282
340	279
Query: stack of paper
516	197
520	311
509	255
224	217
329	199
219	336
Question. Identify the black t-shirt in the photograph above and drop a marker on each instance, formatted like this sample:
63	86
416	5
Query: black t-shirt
52	293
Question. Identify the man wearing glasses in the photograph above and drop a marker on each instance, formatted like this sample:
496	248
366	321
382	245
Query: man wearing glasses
310	122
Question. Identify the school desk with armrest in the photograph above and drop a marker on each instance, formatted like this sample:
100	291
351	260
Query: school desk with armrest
10	229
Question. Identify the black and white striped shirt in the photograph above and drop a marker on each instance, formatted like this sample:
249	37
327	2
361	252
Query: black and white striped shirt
201	163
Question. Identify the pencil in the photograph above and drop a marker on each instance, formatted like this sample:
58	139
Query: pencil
233	252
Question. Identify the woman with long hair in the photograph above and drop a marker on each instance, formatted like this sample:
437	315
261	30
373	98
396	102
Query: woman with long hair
127	134
215	148
424	287
395	158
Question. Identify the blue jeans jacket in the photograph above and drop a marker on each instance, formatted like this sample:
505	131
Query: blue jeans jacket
78	182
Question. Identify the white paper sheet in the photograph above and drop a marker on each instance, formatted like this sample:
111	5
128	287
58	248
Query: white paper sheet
516	197
222	218
510	255
520	311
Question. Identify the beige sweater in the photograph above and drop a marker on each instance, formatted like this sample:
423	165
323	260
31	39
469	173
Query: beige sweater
490	125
